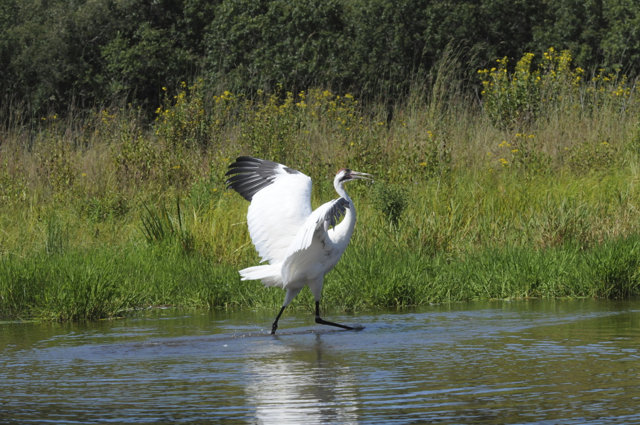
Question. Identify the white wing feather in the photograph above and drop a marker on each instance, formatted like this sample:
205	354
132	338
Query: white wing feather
276	214
317	220
320	220
301	253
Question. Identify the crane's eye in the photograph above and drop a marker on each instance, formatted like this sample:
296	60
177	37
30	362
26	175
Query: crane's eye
347	175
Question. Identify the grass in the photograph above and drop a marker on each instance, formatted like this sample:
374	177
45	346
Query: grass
106	212
114	282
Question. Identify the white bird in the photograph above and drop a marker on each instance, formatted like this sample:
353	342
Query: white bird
300	245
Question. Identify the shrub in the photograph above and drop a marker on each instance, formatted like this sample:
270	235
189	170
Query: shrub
57	165
590	156
511	99
516	98
194	117
391	200
13	185
526	155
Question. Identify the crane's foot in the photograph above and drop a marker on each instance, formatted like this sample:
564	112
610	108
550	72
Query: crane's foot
321	321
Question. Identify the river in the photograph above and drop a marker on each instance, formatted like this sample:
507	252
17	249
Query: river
534	361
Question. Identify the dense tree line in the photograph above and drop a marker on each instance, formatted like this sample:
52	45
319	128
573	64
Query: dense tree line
54	53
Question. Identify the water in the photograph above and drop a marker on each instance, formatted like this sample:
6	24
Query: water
554	362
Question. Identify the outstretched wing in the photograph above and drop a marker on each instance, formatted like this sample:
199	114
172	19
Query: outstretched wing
280	203
299	253
326	216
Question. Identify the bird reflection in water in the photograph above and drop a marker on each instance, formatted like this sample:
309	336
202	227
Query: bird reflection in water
300	385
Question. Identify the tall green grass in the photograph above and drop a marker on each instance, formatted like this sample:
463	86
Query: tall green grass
114	282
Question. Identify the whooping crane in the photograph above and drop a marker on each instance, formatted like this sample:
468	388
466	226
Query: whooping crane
300	245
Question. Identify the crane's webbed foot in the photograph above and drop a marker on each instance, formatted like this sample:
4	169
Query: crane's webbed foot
321	321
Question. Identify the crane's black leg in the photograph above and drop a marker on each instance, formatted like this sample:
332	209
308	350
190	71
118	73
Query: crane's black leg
321	321
275	322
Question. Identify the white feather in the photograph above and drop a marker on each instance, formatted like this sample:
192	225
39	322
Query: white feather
269	274
316	221
276	214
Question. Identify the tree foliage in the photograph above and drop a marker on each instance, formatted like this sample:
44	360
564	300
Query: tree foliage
56	53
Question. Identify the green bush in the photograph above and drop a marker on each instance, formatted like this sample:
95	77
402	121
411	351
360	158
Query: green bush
391	200
514	99
591	156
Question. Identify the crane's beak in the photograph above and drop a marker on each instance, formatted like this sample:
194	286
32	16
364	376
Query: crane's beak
357	175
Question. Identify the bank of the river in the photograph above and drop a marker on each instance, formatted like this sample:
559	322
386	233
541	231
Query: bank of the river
113	282
531	194
483	236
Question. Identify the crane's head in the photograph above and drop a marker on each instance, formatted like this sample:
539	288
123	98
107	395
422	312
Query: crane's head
346	175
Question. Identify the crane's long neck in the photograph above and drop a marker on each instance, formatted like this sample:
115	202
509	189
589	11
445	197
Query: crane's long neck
343	231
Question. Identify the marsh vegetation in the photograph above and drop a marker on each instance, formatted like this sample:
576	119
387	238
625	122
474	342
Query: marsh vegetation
531	193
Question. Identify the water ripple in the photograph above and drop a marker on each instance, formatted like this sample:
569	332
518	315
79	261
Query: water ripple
556	362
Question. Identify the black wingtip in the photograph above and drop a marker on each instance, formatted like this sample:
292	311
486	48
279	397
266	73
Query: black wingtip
249	159
249	175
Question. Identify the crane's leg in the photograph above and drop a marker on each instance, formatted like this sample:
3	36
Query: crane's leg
321	321
291	293
275	322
